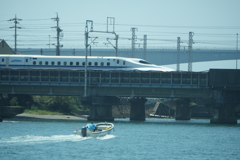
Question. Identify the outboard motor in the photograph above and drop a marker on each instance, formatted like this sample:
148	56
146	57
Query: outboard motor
84	131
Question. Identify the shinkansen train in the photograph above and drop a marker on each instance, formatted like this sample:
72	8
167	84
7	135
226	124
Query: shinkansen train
77	63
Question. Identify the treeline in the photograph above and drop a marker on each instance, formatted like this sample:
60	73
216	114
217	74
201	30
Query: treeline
62	104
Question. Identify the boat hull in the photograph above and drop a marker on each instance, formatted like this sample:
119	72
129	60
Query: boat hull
103	129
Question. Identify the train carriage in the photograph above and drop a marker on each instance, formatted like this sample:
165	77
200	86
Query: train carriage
77	63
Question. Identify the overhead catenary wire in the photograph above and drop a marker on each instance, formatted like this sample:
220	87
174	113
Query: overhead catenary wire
38	32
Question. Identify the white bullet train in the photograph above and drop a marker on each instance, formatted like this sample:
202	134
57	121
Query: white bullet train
77	63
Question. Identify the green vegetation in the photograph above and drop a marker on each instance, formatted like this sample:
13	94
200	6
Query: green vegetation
192	104
36	111
46	104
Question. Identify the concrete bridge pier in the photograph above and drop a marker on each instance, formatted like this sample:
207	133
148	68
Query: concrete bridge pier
224	115
183	110
0	114
101	108
2	103
223	105
100	113
137	112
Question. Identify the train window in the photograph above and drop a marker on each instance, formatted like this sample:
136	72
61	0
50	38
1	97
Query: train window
59	63
77	63
123	62
46	63
40	62
83	63
52	63
71	63
89	63
108	63
34	62
26	60
102	63
3	60
117	61
144	62
95	63
65	63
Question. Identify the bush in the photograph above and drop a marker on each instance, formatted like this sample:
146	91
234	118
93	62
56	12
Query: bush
14	101
63	104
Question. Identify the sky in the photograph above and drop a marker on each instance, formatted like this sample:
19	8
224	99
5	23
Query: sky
215	23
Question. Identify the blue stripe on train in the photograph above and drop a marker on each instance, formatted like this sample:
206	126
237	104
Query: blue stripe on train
56	66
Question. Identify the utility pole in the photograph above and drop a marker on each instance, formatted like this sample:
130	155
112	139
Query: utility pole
111	21
87	30
190	51
178	53
90	47
49	42
73	51
116	44
145	47
134	37
15	26
58	35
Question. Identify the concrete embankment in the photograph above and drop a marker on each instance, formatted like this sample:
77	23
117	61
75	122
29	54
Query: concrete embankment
10	111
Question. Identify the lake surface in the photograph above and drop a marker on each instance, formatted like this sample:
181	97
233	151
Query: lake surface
152	139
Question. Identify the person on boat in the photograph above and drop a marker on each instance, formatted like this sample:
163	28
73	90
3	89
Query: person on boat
91	127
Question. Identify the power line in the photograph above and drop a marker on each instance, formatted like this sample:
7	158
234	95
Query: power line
38	31
196	27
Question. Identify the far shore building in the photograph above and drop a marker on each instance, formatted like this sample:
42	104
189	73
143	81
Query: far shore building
4	48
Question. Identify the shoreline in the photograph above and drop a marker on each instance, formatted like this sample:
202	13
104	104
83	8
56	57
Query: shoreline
39	117
25	116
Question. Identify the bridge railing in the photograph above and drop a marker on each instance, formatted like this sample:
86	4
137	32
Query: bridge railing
174	79
105	78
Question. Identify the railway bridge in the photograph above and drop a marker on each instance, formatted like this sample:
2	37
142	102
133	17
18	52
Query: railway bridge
218	88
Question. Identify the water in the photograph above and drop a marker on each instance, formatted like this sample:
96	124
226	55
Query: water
152	139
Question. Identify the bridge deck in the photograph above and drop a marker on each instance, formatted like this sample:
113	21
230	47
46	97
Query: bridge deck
105	83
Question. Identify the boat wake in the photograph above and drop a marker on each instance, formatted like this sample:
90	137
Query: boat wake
106	137
30	139
10	121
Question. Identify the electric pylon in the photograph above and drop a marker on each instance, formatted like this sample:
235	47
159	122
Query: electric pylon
145	47
178	53
133	40
190	51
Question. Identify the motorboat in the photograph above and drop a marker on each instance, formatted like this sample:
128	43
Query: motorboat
101	129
